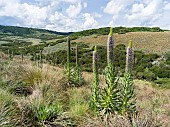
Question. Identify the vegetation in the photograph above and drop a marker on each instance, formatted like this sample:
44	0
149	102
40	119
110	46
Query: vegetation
35	93
146	65
120	30
148	42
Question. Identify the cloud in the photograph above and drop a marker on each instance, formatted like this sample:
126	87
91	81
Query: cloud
71	1
115	7
167	6
90	22
75	15
136	8
60	15
74	10
147	14
137	12
97	15
28	14
84	4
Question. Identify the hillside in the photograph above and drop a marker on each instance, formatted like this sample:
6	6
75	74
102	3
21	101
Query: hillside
149	42
51	48
152	40
21	31
30	95
27	36
48	81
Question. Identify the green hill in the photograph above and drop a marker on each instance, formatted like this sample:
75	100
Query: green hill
23	31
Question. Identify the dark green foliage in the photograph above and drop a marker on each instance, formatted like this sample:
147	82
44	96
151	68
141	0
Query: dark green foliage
161	72
163	83
167	57
141	61
23	31
120	47
17	44
19	31
120	30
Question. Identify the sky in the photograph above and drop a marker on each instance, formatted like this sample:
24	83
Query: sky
77	15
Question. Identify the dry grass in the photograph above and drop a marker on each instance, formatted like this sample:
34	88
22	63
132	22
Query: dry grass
149	99
153	99
150	42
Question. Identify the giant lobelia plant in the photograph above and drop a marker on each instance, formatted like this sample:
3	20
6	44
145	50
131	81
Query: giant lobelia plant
109	97
94	102
76	77
68	58
127	95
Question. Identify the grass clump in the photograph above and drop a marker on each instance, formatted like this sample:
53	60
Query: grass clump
43	111
78	102
9	112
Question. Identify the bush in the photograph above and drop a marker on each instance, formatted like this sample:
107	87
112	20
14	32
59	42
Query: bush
163	82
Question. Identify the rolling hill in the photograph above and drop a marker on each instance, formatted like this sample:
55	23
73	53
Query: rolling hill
149	42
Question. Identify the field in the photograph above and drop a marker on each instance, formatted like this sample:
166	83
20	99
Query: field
149	42
48	84
48	80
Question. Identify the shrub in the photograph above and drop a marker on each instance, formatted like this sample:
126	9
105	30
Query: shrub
163	82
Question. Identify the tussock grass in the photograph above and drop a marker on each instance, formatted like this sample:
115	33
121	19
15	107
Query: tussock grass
9	113
78	101
48	94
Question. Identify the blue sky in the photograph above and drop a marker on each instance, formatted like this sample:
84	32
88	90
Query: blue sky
75	15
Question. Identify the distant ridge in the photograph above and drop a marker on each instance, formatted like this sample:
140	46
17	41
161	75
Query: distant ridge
20	31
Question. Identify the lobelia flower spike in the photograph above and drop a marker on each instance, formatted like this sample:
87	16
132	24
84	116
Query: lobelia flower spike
110	47
127	94
109	95
129	58
77	62
68	58
79	80
95	87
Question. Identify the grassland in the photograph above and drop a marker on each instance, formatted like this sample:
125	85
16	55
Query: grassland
35	93
149	42
47	84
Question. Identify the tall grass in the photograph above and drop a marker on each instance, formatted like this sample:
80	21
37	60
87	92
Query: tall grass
78	102
9	113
